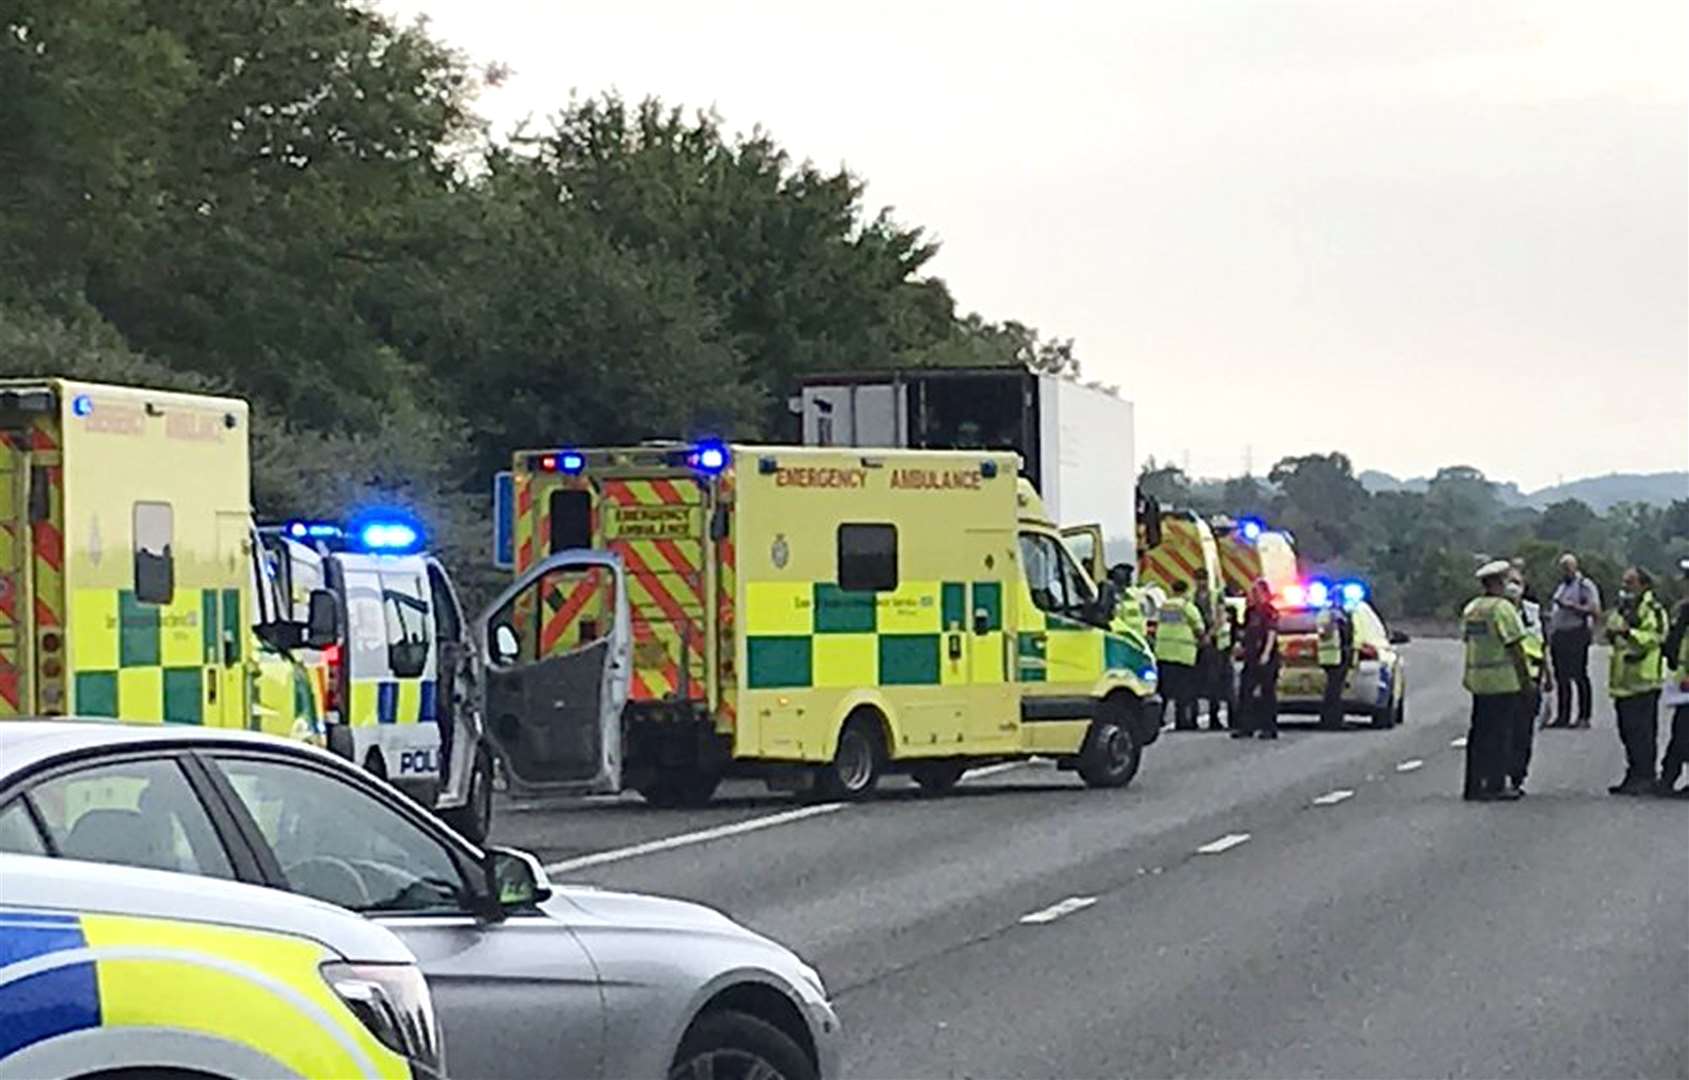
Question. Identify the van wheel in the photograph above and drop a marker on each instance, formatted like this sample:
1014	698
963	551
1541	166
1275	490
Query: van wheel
672	788
938	777
729	1045
857	763
1111	755
474	819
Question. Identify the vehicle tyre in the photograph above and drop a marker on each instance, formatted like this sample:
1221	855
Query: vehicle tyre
857	763
1384	717
938	777
1111	755
474	819
674	788
1401	710
729	1045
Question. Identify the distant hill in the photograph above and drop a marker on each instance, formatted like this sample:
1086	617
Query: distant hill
1601	493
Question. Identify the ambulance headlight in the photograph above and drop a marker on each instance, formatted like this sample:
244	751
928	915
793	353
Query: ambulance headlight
393	1002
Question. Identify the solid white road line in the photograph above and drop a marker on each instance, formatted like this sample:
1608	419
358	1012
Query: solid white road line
1410	766
1459	744
702	836
1334	797
1056	911
1225	843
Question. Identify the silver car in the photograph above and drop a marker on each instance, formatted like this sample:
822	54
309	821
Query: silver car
528	979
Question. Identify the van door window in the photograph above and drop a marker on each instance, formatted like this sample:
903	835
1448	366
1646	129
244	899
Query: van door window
408	625
1054	579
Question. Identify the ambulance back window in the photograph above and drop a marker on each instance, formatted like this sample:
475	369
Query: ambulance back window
868	558
571	520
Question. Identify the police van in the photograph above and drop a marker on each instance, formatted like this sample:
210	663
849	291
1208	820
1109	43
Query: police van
815	617
395	683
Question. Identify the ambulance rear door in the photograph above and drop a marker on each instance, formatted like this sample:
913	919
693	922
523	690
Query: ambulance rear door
555	715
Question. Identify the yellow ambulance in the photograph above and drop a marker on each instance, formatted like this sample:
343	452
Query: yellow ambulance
1249	551
816	617
131	585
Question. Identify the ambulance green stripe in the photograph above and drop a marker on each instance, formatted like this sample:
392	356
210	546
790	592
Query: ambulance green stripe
955	605
840	612
137	638
182	696
909	660
776	662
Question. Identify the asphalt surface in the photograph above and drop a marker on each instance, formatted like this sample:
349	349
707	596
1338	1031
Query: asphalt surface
1232	913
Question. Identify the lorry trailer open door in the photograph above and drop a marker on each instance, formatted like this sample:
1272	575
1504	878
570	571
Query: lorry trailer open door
555	716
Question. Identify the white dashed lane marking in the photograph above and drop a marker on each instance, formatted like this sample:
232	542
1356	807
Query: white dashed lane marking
1459	744
1057	911
1410	766
1332	798
1225	843
993	770
702	836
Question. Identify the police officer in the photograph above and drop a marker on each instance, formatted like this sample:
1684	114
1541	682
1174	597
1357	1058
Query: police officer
1129	613
1496	677
1535	646
1178	633
1219	681
1336	655
1258	698
1636	629
1677	655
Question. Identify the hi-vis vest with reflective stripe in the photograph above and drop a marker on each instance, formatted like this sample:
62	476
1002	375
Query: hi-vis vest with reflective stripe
1330	637
1129	612
1178	626
254	1002
1637	665
1489	625
1530	615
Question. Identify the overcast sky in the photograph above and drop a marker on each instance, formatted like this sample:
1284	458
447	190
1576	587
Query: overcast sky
1423	232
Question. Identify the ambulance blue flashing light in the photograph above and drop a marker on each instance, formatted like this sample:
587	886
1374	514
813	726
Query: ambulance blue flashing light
1251	529
709	457
571	463
314	530
81	405
1319	594
1352	592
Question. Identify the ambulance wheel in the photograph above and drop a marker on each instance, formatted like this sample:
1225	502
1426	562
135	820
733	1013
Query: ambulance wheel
857	763
1111	755
474	819
937	777
675	788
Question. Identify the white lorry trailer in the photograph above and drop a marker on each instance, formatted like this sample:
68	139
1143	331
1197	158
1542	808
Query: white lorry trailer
1075	441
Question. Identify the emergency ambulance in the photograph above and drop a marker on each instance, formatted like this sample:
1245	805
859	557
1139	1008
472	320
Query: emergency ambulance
1185	545
816	617
130	581
395	683
1249	551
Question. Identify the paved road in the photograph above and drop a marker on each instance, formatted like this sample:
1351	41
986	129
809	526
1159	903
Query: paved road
1392	932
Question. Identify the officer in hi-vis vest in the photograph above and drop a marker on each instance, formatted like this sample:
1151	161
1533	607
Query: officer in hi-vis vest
1336	655
1179	630
1497	677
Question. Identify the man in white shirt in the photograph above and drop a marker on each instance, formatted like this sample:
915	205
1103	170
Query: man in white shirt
1571	618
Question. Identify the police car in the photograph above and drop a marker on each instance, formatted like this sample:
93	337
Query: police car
1375	686
396	685
106	969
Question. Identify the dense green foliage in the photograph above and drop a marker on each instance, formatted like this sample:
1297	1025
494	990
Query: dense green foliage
1419	549
295	202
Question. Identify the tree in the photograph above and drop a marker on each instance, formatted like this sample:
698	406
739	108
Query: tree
1167	484
1322	502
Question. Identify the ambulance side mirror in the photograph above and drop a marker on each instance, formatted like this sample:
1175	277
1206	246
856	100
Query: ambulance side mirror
322	621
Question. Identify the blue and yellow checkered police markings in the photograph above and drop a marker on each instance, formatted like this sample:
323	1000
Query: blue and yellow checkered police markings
129	582
825	616
259	983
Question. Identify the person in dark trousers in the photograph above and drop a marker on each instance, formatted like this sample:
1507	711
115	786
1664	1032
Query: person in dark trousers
1677	655
1525	724
1572	614
1257	712
1219	677
1336	655
1636	630
1178	631
1497	677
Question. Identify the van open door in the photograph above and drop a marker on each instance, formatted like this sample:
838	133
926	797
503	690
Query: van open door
1085	544
555	718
